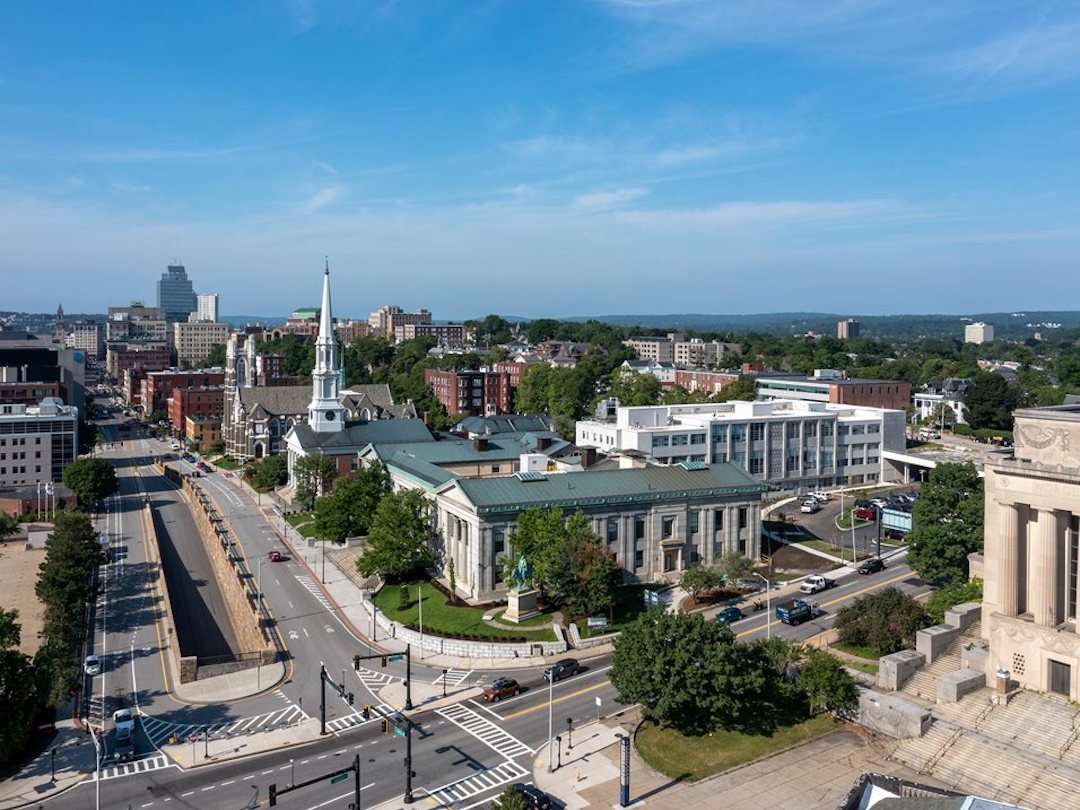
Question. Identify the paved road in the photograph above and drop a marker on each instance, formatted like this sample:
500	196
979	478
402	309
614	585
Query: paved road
822	525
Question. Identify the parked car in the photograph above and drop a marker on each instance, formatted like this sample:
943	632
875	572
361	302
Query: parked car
502	688
871	566
820	497
563	669
880	503
816	583
728	615
810	507
865	513
274	555
535	799
124	722
92	665
174	447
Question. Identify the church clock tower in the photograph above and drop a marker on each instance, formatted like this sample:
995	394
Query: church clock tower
325	412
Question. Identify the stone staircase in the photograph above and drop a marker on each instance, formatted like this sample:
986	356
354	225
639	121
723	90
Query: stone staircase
923	683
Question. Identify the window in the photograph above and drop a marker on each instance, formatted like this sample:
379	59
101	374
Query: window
659	441
826	458
858	430
679	440
743	515
695	521
697	438
827	428
757	431
720	433
810	429
639	559
757	464
738	433
720	457
612	530
718	519
809	458
793	430
872	429
639	528
667	528
494	468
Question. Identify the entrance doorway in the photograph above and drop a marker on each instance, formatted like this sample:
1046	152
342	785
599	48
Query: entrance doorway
1060	678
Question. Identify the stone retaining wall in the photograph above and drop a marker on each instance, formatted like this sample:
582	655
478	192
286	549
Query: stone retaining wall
234	580
580	643
185	666
464	647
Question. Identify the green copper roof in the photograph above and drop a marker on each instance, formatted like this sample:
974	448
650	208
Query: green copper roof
592	488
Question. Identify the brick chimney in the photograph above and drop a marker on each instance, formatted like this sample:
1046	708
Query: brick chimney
480	445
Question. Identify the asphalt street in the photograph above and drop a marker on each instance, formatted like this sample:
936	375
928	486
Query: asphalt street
468	749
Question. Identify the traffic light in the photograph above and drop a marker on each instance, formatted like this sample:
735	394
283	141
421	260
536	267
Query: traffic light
385	726
384	660
367	711
273	795
350	698
356	662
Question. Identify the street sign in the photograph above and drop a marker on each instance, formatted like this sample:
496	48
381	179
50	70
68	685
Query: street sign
398	730
597	622
340	777
393	658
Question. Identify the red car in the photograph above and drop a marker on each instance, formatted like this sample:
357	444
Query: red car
502	688
866	513
275	556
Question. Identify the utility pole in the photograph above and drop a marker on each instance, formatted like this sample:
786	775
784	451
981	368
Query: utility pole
322	699
408	797
408	678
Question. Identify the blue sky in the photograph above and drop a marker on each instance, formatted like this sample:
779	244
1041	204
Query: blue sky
544	158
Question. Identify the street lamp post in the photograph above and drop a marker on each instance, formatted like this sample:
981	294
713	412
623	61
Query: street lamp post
97	768
292	772
420	599
569	733
768	604
551	730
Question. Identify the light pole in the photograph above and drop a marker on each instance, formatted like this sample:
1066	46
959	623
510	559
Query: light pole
569	733
551	729
292	772
420	599
768	604
97	768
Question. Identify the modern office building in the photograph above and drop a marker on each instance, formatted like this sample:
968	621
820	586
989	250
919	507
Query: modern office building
175	294
87	337
386	321
848	329
32	368
830	385
1031	556
792	445
37	442
979	333
206	307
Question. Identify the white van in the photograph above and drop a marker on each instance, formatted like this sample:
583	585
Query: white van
820	497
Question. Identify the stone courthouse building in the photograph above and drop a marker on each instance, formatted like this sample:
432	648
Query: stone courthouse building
1032	553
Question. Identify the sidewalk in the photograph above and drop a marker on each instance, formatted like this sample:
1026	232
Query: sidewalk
589	774
34	782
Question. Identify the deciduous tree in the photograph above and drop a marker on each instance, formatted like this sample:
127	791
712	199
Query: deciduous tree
827	685
314	474
18	692
700	579
397	542
948	522
885	620
350	507
91	479
270	472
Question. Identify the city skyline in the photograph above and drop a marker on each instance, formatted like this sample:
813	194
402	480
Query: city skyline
550	160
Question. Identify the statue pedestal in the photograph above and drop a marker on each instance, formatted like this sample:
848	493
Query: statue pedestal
521	605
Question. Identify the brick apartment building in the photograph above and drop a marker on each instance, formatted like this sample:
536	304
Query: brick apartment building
476	393
195	403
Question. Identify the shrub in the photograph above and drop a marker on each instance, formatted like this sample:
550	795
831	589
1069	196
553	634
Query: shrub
956	594
885	621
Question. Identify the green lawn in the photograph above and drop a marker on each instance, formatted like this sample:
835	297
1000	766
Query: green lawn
829	548
629	604
858	650
226	463
458	621
542	620
843	520
693	758
303	522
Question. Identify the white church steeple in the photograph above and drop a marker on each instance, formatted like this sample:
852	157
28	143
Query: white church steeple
325	413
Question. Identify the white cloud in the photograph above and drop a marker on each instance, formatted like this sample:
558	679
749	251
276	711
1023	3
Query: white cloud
603	200
323	197
782	212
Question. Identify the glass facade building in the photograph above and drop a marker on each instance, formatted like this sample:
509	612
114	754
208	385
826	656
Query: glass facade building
175	294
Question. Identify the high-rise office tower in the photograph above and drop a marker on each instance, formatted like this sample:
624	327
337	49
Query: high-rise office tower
175	294
207	307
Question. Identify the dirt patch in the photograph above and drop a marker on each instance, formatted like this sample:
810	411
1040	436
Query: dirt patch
18	575
793	558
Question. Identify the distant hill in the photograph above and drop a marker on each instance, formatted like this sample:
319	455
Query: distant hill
1007	325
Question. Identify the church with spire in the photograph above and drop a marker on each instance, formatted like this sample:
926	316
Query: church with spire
341	422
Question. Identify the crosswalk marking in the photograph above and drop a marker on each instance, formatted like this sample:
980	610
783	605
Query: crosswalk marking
374	680
160	731
486	731
454	677
144	765
355	719
315	590
460	790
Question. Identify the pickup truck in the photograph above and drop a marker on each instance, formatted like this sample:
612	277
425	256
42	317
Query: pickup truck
796	612
816	584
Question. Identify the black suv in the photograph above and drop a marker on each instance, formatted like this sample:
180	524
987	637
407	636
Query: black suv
871	566
563	669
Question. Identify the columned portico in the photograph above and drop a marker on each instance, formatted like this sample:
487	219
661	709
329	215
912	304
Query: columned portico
1008	560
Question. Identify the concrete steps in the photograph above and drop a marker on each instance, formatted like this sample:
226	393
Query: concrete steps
919	752
923	684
